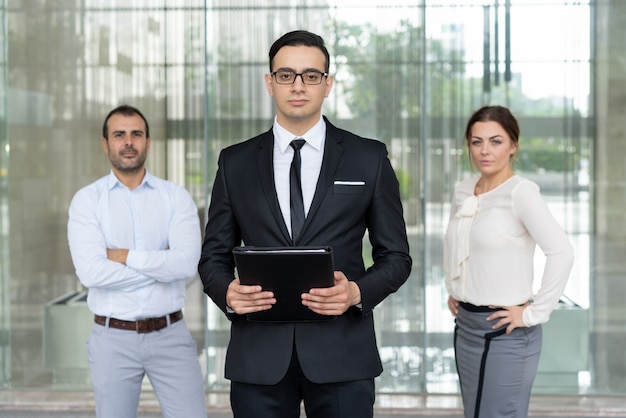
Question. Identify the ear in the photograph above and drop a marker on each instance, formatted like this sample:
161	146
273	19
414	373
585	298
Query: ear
105	145
329	85
269	84
513	151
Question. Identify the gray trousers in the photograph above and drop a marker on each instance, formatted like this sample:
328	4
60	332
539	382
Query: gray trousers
496	371
119	360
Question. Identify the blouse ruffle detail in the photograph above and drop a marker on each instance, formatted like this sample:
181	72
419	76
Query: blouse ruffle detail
461	248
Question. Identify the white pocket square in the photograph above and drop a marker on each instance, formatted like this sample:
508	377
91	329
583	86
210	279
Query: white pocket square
350	183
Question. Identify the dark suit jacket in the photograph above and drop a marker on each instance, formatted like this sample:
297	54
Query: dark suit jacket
244	208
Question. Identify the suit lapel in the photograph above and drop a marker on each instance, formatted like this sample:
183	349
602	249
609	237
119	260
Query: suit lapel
332	155
265	164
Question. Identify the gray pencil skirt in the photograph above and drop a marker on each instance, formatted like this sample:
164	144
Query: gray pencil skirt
496	371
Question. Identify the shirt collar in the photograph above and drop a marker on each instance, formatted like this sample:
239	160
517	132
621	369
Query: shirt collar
113	181
314	136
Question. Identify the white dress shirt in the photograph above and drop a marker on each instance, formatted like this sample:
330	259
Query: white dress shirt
158	222
311	154
490	245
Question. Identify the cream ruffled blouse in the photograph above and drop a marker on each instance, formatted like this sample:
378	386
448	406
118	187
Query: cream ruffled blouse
490	244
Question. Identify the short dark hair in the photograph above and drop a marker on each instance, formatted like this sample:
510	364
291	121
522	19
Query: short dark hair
299	38
125	110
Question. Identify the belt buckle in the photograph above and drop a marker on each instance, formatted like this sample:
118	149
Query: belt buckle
144	326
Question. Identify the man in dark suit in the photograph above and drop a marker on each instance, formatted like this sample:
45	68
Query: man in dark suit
348	188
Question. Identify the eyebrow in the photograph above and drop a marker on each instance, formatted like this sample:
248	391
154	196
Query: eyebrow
491	137
304	71
134	131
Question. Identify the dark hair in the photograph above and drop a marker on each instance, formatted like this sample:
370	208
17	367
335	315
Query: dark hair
299	38
125	110
498	114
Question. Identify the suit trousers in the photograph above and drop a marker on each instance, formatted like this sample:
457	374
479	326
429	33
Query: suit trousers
325	400
119	360
496	370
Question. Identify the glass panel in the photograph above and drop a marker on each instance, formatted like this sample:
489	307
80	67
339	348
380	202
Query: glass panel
548	91
410	75
84	59
5	283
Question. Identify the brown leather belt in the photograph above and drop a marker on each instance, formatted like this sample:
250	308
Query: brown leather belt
142	326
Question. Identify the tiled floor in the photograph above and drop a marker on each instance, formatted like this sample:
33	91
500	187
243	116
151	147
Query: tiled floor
79	404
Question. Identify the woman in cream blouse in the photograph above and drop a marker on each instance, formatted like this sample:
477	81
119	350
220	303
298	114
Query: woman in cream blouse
497	219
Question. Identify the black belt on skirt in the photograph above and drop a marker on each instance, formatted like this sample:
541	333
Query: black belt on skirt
474	308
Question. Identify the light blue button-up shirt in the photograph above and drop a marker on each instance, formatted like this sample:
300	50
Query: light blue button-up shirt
158	222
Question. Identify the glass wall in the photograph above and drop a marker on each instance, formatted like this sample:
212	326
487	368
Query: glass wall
5	282
408	73
70	62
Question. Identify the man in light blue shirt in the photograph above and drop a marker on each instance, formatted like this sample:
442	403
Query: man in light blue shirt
135	240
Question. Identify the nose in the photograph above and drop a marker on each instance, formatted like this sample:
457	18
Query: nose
298	83
128	141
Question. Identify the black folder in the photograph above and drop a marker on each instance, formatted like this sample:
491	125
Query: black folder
288	272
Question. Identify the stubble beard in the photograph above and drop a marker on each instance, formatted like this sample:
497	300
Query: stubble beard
124	165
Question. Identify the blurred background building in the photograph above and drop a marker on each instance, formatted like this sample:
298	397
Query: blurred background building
408	73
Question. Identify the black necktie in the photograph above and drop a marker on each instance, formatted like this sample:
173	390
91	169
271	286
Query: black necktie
295	191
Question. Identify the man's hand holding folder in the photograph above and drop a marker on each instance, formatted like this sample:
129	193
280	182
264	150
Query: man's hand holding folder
289	284
333	300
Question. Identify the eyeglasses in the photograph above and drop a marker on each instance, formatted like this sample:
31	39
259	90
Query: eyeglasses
311	77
